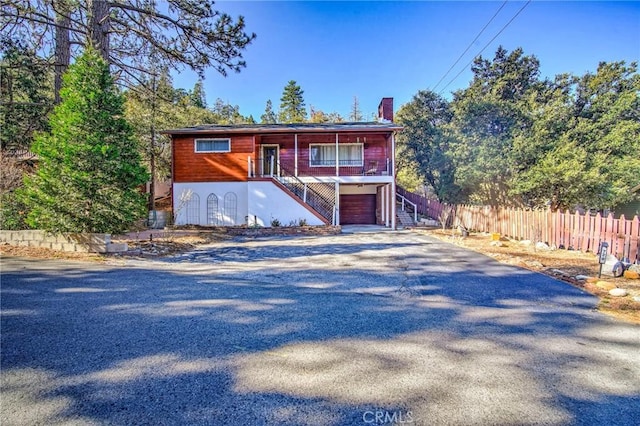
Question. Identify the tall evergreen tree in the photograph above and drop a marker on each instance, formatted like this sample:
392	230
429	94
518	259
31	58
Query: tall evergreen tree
488	115
25	95
292	107
356	113
89	171
269	117
198	96
425	142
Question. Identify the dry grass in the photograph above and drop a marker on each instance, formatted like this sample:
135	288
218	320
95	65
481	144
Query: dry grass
549	262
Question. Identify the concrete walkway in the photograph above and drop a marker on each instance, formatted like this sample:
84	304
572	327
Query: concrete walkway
354	329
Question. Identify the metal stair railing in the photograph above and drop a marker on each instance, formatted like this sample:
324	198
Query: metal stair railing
405	202
320	196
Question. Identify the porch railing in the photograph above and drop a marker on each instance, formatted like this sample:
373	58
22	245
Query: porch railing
405	203
319	168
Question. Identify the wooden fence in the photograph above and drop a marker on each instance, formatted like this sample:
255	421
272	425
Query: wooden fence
567	230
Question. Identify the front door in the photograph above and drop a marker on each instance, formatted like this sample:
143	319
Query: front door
270	160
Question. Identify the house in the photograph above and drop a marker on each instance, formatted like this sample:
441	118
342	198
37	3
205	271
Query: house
269	174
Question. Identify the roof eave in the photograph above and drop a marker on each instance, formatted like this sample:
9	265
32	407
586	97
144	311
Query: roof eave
197	131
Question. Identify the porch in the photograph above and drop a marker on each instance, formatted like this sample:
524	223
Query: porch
321	155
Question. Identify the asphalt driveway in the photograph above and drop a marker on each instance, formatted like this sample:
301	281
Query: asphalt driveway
344	330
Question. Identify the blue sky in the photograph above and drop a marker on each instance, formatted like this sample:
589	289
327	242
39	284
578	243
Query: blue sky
338	50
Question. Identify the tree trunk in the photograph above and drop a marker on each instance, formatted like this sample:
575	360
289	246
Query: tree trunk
99	27
63	46
152	167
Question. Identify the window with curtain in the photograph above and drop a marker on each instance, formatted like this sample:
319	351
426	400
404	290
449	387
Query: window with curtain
324	155
213	145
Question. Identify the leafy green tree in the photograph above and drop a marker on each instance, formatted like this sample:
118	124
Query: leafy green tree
269	117
292	107
25	95
318	116
424	144
583	147
227	113
89	170
488	116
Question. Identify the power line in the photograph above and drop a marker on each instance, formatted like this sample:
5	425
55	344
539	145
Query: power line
469	46
485	46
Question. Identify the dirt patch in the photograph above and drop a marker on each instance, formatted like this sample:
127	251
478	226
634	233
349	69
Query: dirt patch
154	243
564	265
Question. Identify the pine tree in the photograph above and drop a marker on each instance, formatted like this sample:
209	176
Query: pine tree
292	107
89	169
355	114
269	117
197	95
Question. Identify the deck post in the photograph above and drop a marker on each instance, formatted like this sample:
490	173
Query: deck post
337	204
337	158
295	152
249	166
383	201
393	181
390	199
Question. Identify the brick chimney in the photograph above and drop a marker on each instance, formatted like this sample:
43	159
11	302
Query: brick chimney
385	110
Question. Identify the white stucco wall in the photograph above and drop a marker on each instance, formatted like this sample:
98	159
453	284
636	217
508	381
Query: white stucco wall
267	202
257	202
203	190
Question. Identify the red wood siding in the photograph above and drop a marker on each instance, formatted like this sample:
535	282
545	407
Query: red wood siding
190	166
377	148
358	209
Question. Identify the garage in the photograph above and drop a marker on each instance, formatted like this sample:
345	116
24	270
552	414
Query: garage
358	209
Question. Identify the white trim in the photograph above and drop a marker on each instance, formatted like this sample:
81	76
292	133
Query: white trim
275	172
361	164
195	145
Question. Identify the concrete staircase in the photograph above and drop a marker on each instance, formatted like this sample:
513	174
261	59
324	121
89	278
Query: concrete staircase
404	218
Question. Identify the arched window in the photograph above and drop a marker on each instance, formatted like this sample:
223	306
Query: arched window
213	213
193	210
230	208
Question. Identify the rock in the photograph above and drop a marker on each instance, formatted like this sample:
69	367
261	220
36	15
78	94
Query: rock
559	272
612	259
605	285
526	242
533	264
582	277
634	268
636	298
497	244
542	246
618	292
631	275
592	280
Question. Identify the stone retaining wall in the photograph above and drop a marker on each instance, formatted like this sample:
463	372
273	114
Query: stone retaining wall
286	230
87	243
